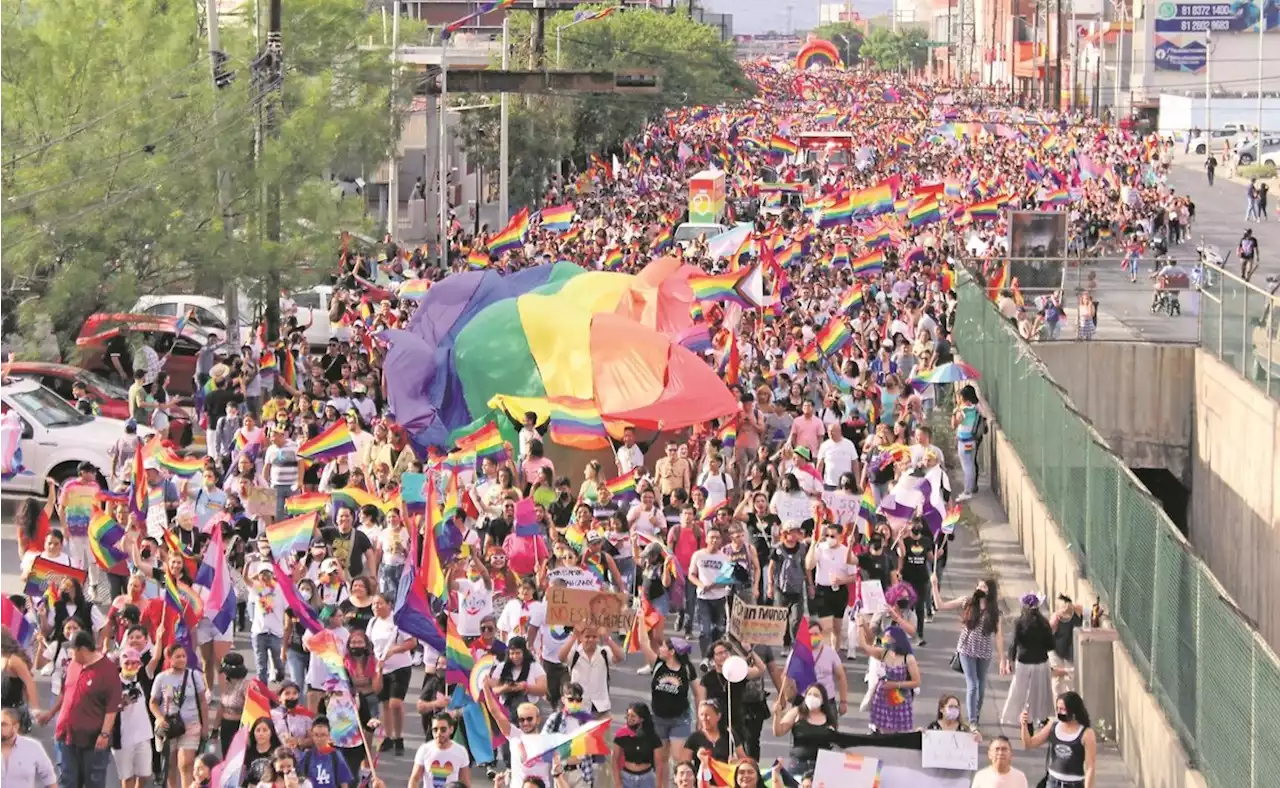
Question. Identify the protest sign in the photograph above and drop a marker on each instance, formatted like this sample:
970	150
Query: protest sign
794	510
261	502
843	505
873	600
573	577
845	770
575	607
758	625
949	750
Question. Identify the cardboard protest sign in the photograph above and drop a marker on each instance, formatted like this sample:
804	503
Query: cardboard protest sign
577	608
843	506
873	600
261	502
758	625
793	510
949	750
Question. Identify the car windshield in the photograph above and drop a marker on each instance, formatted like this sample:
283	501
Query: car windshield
47	408
110	389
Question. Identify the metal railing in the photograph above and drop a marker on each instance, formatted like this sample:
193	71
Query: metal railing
1215	678
1239	325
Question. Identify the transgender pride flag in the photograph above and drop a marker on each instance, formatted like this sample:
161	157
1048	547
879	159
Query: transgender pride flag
213	583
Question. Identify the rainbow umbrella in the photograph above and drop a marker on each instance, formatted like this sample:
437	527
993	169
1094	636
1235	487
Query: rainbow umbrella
951	372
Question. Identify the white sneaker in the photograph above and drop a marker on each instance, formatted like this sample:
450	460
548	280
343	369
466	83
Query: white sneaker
964	496
642	670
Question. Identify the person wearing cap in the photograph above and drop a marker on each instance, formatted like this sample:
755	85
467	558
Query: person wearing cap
292	720
280	468
267	605
163	498
362	404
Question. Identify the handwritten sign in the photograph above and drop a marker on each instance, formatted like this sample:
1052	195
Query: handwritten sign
758	625
949	750
873	600
843	506
793	509
845	770
573	577
261	502
604	610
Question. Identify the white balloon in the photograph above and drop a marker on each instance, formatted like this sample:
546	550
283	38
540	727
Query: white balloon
734	669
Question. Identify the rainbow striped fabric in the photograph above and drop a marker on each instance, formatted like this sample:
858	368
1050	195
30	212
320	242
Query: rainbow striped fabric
415	289
306	503
719	287
924	213
780	144
870	264
169	460
577	424
839	256
331	444
291	536
104	537
851	298
612	258
477	259
557	218
624	486
511	236
875	199
834	337
484	442
837	212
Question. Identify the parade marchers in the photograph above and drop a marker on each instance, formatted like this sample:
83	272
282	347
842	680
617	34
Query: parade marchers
820	424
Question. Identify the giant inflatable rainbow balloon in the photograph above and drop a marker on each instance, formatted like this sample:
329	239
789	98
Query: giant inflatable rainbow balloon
818	52
552	331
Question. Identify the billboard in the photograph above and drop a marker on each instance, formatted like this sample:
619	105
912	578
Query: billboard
1239	16
1187	54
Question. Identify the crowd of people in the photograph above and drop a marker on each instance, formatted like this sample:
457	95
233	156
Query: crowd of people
834	473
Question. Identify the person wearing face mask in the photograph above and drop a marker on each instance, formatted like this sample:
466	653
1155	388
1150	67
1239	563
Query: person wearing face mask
981	640
915	553
830	561
131	736
1073	744
572	714
267	629
950	716
810	721
894	699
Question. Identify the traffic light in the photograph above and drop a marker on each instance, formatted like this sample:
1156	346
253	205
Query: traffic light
637	82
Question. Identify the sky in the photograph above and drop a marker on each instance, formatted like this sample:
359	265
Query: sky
760	16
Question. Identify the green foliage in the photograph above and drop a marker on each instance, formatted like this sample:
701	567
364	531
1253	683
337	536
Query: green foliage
696	67
889	51
113	132
1265	170
832	31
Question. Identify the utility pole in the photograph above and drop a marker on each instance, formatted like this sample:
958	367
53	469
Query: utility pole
504	128
1057	69
393	160
537	55
222	78
269	70
443	163
1035	44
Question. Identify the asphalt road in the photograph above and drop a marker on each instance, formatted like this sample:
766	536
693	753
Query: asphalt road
962	572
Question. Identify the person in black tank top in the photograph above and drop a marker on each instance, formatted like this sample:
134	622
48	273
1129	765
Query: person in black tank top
1072	744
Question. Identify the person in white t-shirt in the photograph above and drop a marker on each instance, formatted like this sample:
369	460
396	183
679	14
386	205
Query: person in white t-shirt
1000	774
440	761
266	629
707	572
475	597
132	753
546	642
646	517
833	569
394	651
629	456
527	723
715	481
588	655
836	456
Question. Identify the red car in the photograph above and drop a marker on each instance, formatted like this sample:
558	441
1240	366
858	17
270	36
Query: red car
112	399
105	335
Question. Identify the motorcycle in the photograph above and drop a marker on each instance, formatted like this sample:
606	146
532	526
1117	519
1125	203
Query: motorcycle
1210	258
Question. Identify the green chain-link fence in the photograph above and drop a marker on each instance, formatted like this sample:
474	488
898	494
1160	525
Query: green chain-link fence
1218	683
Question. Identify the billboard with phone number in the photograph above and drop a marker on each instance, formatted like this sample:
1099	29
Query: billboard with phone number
1240	16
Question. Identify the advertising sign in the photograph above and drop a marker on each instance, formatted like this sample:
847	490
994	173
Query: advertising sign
1179	53
706	197
1240	16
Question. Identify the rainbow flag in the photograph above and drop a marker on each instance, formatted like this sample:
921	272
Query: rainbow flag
344	720
267	361
511	236
414	289
834	337
104	536
612	258
800	666
792	358
449	510
459	658
839	256
291	536
289	368
719	287
998	281
577	424
789	254
838	212
1056	197
728	434
881	237
662	239
557	218
987	210
413	612
624	486
851	298
915	255
138	498
44	572
183	600
875	199
484	442
331	444
324	647
953	517
948	277
870	264
924	213
587	741
353	498
867	507
477	259
306	616
306	503
179	466
710	509
779	144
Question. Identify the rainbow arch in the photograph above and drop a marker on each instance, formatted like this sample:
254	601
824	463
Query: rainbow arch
818	52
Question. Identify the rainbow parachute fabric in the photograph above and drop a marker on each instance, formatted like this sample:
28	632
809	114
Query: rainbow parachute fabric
598	339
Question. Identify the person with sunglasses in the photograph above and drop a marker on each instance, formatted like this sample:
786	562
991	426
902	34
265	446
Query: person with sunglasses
440	755
527	724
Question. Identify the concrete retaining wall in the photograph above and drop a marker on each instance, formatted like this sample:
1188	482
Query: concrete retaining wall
1235	490
1151	749
1139	396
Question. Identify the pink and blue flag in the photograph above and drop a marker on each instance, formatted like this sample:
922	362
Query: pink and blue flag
800	667
213	584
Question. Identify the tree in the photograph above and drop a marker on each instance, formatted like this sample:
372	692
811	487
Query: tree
846	37
696	68
113	132
896	51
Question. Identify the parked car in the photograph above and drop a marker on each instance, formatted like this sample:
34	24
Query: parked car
209	312
56	437
1200	145
112	398
105	335
1247	152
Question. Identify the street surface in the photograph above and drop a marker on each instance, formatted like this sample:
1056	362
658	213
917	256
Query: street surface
963	570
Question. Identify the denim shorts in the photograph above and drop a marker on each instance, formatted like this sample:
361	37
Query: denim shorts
673	727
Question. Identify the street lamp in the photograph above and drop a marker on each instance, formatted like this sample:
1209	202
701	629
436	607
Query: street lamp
848	49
